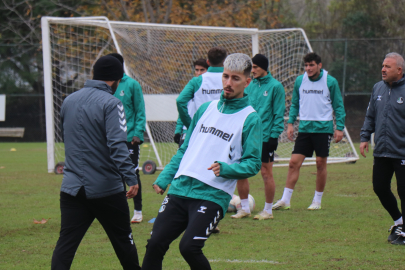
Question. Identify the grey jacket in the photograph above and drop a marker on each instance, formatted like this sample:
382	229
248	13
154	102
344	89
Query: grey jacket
94	129
386	117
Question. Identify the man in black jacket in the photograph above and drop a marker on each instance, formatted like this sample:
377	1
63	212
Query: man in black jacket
97	159
386	117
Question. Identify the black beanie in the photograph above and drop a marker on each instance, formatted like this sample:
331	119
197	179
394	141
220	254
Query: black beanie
108	68
118	56
261	61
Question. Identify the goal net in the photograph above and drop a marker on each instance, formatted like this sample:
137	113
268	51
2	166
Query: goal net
160	58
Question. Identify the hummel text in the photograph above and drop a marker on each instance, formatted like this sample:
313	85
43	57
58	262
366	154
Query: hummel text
225	136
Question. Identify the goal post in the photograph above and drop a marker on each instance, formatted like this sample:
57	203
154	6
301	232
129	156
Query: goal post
160	57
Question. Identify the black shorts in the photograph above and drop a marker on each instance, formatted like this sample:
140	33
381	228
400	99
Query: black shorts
268	152
307	143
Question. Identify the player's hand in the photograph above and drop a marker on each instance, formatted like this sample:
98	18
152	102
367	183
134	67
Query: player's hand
135	141
363	145
290	132
215	168
177	137
133	190
158	189
338	136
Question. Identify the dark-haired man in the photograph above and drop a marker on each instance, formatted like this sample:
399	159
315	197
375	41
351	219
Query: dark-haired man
316	96
129	91
267	97
97	162
204	88
223	144
200	67
386	117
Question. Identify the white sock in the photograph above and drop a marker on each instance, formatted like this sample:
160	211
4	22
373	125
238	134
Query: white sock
399	221
318	197
139	212
268	208
245	205
287	195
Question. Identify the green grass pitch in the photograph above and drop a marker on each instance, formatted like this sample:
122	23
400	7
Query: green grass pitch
349	232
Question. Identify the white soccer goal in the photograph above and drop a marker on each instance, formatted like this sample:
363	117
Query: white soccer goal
160	58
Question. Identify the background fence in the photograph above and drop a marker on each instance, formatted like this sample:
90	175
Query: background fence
355	63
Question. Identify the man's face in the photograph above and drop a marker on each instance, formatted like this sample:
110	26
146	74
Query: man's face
313	69
234	84
198	70
390	71
258	72
115	84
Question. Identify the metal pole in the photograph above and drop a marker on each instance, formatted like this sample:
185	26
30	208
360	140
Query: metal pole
49	113
255	44
344	73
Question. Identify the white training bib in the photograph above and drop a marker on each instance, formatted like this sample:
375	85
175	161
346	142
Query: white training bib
315	102
210	89
216	137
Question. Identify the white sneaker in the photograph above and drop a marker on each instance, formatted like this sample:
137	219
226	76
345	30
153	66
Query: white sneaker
241	214
137	218
263	215
314	206
281	205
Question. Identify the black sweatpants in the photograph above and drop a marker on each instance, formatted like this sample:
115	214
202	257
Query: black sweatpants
77	215
134	151
383	171
197	217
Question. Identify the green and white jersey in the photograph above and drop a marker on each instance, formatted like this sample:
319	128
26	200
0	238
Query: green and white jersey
204	88
314	104
216	137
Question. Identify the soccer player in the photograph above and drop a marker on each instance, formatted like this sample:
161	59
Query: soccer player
316	96
386	117
267	97
200	67
97	160
223	144
204	88
130	93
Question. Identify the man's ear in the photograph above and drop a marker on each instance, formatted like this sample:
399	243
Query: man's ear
248	80
320	65
208	63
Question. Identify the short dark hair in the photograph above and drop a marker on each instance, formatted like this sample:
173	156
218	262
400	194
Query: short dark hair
216	56
201	62
312	57
118	56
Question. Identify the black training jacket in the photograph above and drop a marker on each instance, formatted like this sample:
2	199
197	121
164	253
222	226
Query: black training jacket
386	117
94	129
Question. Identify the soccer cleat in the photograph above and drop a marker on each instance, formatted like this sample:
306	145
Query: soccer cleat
400	240
281	205
216	230
263	215
137	218
241	214
395	231
315	206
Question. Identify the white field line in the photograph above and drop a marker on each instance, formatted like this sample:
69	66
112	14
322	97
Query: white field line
239	261
351	195
244	261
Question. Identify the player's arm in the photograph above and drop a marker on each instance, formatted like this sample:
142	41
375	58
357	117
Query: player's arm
116	142
185	96
337	104
170	170
278	109
250	162
295	102
139	108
